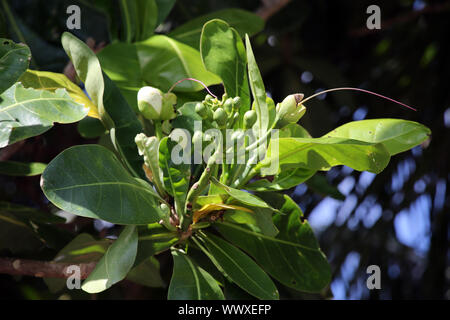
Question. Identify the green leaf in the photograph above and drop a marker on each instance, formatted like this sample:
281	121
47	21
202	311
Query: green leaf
164	8
154	239
187	117
87	67
190	282
318	183
147	274
82	249
25	113
115	264
90	181
324	153
258	90
241	20
14	60
139	19
239	268
158	61
23	214
51	81
294	130
90	128
241	196
395	134
113	109
223	53
293	257
24	169
286	179
175	176
260	220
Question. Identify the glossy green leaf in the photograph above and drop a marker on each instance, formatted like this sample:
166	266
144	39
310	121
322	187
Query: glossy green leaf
25	169
25	112
115	264
14	60
52	81
89	181
223	53
159	62
286	179
82	249
147	274
294	130
239	268
190	282
241	196
87	67
115	113
139	19
154	239
258	90
293	257
175	176
90	128
395	134
241	20
324	153
260	220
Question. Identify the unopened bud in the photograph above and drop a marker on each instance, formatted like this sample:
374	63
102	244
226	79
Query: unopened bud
220	116
249	119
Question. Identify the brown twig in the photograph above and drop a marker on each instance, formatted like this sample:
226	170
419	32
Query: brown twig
438	8
270	7
42	269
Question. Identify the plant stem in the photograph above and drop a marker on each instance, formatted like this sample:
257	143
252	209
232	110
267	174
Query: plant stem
158	129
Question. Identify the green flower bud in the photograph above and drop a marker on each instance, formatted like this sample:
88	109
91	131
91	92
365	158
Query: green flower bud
228	105
150	101
200	109
290	110
209	97
249	119
224	96
236	103
197	138
154	105
221	117
165	208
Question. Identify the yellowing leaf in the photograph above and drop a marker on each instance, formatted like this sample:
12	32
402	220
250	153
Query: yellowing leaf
208	208
51	81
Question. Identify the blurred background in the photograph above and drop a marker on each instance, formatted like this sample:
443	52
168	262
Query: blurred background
398	220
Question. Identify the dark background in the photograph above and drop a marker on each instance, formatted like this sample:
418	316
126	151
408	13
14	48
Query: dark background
398	220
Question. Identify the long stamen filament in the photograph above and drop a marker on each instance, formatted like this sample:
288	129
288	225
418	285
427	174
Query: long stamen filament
357	89
192	79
